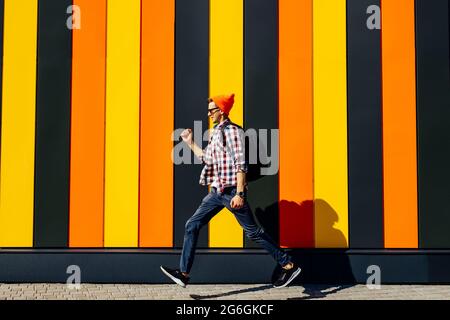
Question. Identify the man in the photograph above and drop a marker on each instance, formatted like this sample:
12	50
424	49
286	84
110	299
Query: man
225	171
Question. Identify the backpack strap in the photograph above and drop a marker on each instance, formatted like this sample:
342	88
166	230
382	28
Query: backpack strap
222	130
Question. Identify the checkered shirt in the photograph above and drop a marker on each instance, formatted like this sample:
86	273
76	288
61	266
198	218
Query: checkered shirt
223	160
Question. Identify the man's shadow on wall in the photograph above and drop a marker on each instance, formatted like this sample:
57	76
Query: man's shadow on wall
325	267
328	269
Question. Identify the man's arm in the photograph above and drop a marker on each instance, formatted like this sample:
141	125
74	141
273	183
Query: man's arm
240	181
186	135
196	149
236	141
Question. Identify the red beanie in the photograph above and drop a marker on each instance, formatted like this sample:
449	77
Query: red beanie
225	103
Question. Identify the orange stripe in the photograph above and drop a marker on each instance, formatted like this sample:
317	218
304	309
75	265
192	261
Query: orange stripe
399	124
296	124
157	118
87	128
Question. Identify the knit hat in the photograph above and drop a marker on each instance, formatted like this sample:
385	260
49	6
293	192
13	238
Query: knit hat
225	102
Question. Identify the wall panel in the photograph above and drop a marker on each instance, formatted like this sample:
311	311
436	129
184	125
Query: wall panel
365	171
296	123
122	124
191	104
330	124
52	166
88	126
261	103
226	77
433	121
399	124
157	120
18	123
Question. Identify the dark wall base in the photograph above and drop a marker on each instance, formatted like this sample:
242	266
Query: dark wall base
223	265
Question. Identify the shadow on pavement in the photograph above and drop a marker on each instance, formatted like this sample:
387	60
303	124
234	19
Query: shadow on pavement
320	291
225	294
311	292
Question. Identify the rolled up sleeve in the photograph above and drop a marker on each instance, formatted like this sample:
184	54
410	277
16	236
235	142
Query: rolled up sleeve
202	156
236	139
205	157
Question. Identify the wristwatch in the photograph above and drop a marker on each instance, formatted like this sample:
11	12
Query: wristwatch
241	194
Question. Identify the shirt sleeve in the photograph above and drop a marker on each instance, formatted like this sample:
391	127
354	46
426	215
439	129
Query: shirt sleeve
236	141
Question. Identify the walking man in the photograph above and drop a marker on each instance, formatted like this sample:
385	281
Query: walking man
225	171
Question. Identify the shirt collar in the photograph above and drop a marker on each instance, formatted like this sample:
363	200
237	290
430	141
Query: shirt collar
220	125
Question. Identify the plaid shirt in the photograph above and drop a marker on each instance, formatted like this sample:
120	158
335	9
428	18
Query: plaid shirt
223	160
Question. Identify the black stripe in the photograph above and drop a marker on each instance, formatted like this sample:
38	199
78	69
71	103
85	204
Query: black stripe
54	63
261	100
433	120
365	172
191	93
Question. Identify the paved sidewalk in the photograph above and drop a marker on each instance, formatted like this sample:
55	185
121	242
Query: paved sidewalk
221	292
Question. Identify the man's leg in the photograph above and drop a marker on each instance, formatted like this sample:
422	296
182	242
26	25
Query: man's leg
254	232
210	206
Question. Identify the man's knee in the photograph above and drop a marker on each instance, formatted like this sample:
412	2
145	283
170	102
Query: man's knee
192	226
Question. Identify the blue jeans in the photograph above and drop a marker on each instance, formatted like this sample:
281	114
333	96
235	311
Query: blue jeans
212	204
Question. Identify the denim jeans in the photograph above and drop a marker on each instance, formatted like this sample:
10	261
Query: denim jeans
212	204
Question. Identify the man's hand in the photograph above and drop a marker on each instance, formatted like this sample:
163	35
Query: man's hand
237	202
186	135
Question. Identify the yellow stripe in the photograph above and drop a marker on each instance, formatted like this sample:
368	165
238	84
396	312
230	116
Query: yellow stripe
18	124
330	124
226	76
122	124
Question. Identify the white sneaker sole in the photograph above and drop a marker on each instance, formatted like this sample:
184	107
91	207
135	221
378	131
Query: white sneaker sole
293	276
176	280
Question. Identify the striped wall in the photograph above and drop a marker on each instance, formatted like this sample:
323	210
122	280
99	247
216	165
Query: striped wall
92	93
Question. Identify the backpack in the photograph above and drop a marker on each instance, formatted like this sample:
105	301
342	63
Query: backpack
254	169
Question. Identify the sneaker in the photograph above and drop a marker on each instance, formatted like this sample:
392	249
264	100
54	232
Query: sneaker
287	276
176	276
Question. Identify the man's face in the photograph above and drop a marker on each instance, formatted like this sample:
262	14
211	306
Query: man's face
214	112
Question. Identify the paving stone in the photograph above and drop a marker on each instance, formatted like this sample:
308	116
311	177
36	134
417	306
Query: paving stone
219	292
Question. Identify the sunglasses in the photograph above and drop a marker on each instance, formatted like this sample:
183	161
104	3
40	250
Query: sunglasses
211	111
